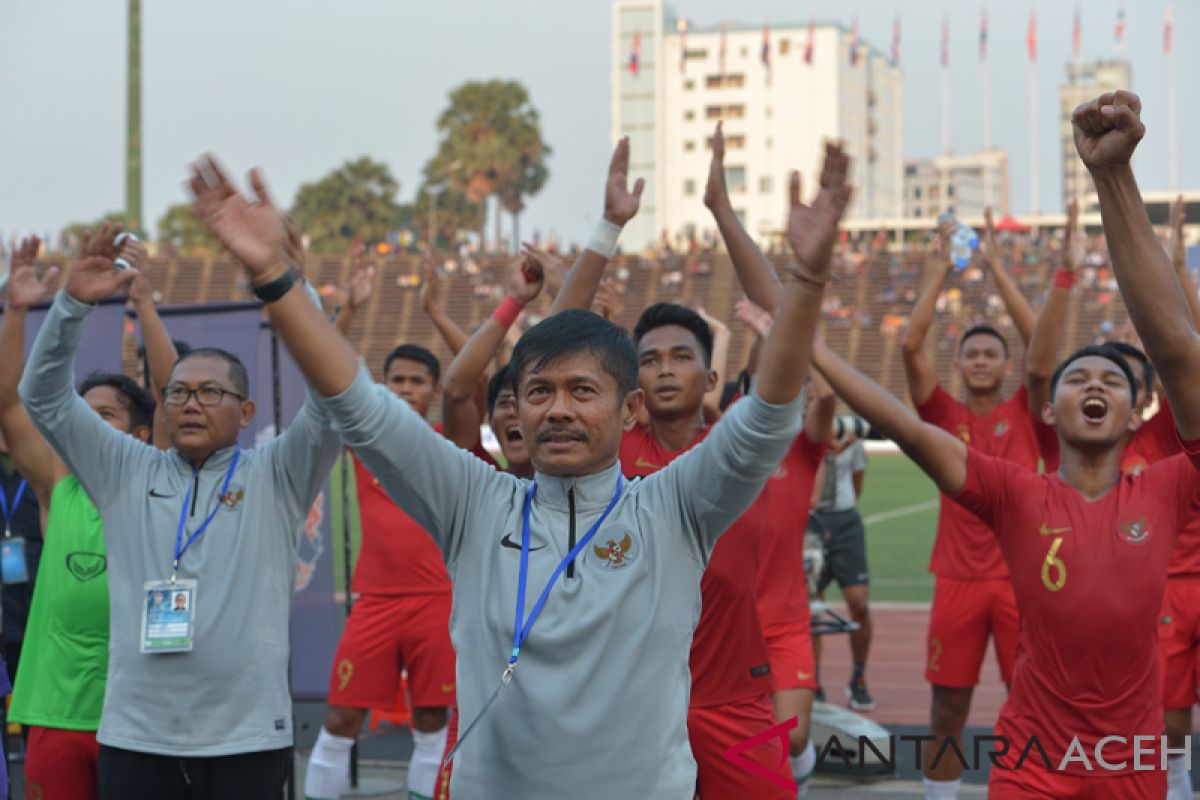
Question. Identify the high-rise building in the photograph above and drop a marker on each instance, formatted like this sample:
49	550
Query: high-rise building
781	92
1084	82
962	184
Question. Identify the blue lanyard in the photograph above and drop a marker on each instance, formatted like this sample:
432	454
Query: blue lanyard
8	515
521	632
180	547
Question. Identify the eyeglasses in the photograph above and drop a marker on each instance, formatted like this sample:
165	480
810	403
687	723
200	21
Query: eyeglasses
208	395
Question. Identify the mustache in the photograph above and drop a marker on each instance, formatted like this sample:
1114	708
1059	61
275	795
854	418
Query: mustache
574	434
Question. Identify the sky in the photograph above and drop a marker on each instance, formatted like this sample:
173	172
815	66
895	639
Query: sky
298	87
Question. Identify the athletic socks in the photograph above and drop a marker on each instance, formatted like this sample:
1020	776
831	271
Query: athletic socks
941	790
428	749
328	774
802	769
1179	779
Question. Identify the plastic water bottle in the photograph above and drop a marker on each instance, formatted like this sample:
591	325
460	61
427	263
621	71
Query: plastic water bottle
963	243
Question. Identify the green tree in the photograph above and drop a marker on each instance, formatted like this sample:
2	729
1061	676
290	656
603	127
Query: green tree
357	201
179	228
445	206
491	146
73	233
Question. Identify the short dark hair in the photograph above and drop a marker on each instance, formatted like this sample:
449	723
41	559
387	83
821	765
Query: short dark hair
986	330
731	390
237	370
1129	351
576	331
182	348
499	380
1102	351
662	314
414	352
137	400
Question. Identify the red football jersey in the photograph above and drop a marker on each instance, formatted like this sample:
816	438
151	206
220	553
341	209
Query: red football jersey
397	557
729	655
782	585
964	547
1089	579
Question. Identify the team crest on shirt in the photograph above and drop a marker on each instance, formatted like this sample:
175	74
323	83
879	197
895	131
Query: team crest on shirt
1135	467
1135	532
614	553
232	498
964	432
1000	428
780	473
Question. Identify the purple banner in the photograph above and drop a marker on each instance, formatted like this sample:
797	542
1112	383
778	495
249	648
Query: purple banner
100	348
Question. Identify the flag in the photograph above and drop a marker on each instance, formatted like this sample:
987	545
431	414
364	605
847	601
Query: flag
1168	25
854	42
681	26
1119	33
721	53
983	33
896	40
634	54
766	46
808	47
1077	36
1031	37
945	42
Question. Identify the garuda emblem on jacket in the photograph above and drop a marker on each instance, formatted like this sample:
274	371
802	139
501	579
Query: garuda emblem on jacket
615	554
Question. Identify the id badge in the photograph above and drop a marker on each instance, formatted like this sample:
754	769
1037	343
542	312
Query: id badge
13	566
169	616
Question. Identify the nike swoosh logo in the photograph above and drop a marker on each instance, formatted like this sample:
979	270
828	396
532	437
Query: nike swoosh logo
1044	531
508	542
154	493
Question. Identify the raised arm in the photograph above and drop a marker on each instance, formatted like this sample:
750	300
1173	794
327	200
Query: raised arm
942	456
362	286
160	350
918	368
720	365
454	336
1016	304
1041	356
818	422
32	457
620	206
759	280
1179	259
460	413
1107	130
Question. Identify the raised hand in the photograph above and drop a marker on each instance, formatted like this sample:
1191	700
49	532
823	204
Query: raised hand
716	193
526	275
551	266
255	232
25	288
136	254
812	230
429	286
756	318
1074	247
293	246
609	301
362	283
990	257
1108	129
621	204
94	276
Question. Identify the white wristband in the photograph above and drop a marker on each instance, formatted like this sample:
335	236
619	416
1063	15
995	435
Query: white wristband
604	238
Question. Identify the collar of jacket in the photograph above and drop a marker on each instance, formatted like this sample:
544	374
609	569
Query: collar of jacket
590	490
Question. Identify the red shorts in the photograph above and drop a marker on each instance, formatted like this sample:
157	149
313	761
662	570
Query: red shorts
1179	642
715	729
1037	782
441	789
61	764
790	650
386	634
964	614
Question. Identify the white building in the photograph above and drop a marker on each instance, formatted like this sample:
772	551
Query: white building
961	184
1084	82
776	116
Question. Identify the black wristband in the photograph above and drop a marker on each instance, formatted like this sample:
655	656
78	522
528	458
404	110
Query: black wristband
270	292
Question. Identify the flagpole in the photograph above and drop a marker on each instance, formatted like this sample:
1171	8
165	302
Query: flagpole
1172	119
945	110
1033	139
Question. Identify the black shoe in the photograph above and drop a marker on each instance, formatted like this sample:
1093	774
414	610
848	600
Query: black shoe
860	698
819	695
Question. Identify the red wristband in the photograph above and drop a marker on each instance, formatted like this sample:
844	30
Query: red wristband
1064	279
507	312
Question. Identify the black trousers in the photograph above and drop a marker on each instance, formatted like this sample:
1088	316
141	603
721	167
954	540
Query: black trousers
129	775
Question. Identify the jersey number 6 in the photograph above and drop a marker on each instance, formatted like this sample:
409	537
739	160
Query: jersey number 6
1053	562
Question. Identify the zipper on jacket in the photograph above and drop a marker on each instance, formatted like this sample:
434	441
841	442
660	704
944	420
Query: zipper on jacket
571	544
195	491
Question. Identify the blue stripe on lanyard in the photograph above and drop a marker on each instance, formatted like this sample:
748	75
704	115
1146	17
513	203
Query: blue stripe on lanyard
9	515
521	632
187	499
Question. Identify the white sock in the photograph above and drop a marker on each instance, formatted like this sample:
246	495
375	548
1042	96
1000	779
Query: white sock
428	749
1179	779
802	768
941	790
328	774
